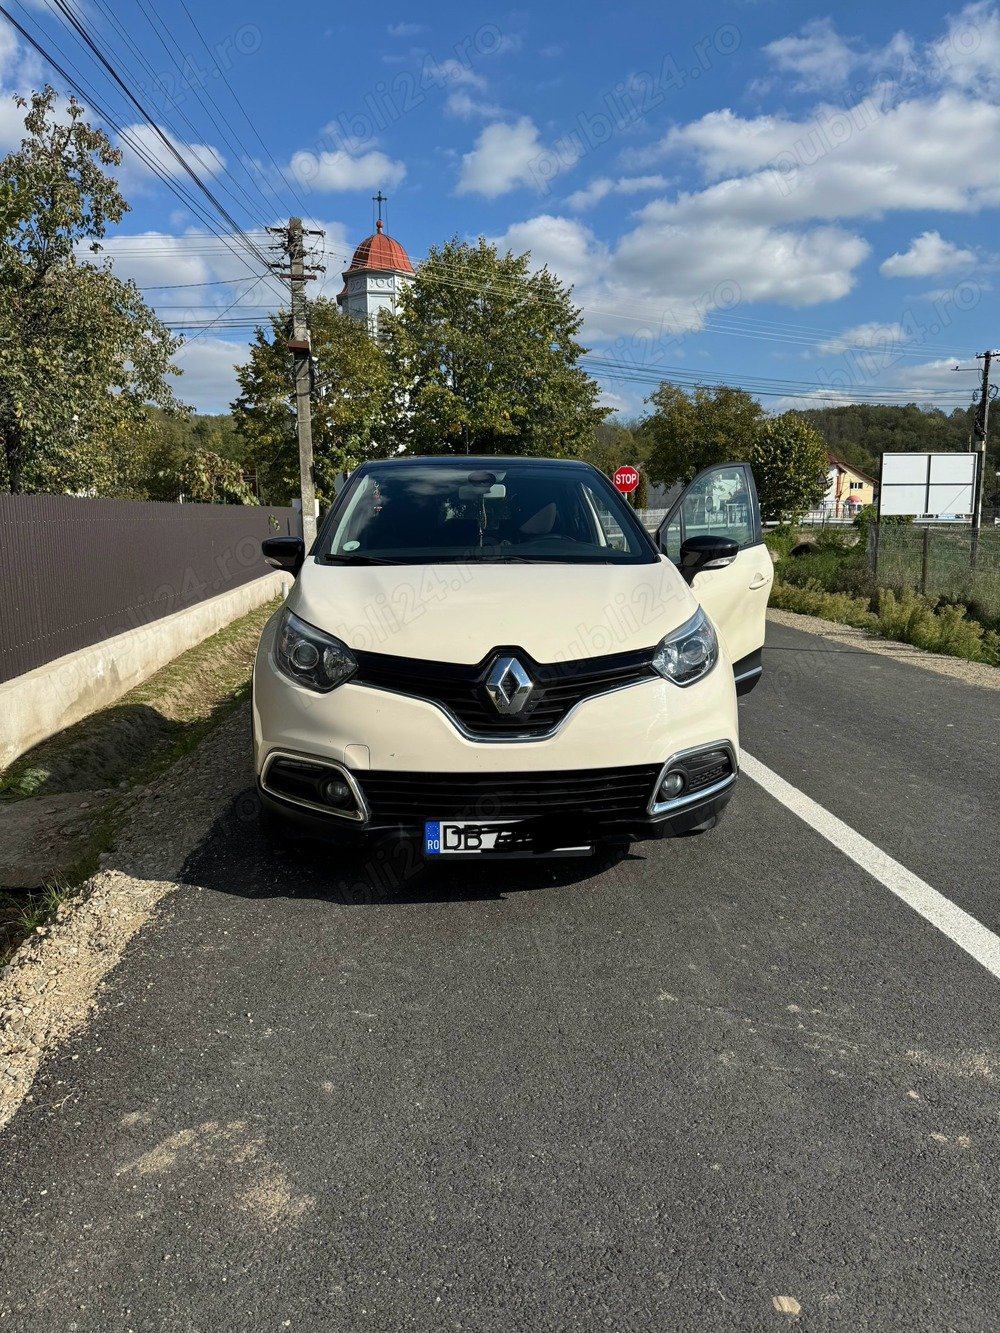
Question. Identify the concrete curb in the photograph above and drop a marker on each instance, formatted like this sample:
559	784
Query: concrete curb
44	701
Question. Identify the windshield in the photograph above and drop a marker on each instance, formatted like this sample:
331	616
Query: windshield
426	513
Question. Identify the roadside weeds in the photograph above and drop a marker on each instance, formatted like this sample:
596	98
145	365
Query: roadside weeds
971	673
101	759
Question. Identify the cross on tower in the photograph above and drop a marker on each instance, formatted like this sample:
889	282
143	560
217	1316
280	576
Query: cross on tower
379	199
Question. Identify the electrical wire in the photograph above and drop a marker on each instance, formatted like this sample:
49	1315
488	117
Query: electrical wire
78	82
156	78
225	78
64	8
231	141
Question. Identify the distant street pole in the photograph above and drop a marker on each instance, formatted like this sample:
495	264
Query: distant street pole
981	433
300	346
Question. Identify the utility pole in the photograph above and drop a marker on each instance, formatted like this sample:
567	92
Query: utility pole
981	432
300	346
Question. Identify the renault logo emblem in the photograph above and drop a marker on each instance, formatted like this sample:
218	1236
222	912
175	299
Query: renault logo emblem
509	686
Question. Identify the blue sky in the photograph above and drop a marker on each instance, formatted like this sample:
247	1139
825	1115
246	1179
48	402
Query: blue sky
798	199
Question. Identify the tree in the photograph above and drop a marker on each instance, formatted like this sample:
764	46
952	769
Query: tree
689	431
81	354
615	444
484	358
789	460
208	478
349	405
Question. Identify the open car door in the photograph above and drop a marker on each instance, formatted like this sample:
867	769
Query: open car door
722	503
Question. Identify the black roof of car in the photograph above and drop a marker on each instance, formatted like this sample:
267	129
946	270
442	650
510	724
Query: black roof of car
474	461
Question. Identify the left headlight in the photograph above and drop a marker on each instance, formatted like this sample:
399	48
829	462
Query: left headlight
688	653
311	658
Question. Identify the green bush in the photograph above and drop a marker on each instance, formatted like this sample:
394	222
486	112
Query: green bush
780	540
913	618
906	617
832	566
812	599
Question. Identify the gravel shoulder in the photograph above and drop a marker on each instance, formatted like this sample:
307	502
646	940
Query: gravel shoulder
972	673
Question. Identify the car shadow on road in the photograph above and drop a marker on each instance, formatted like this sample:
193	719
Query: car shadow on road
239	859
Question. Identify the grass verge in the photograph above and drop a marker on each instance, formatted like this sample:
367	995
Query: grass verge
906	617
833	580
121	747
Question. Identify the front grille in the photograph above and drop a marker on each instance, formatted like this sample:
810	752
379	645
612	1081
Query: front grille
620	793
461	689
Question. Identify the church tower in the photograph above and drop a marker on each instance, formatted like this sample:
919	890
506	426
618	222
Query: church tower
377	275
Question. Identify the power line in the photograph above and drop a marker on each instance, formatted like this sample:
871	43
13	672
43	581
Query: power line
64	9
231	140
80	84
225	78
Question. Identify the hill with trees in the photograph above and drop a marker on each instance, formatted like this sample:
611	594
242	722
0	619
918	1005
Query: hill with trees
862	432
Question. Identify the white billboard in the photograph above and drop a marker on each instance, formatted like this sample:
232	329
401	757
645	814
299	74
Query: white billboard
927	485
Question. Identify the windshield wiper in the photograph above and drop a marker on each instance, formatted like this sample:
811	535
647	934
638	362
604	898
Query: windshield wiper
358	560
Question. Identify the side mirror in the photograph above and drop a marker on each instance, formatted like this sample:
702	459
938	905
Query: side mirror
288	553
706	552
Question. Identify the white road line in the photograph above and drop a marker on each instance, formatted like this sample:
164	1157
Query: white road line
961	928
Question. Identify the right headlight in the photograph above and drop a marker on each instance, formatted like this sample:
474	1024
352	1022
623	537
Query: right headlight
688	653
311	657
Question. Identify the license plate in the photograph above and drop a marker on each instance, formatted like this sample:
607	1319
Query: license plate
469	837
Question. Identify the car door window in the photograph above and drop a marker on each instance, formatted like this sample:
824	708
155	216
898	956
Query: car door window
670	539
718	504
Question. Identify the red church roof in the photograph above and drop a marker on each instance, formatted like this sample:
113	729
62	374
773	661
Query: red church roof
381	252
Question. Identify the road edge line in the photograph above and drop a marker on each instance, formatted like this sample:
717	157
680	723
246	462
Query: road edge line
977	940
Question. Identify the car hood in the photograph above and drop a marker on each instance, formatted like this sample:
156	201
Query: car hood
458	613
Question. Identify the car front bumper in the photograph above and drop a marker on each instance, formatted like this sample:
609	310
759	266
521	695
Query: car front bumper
548	834
374	735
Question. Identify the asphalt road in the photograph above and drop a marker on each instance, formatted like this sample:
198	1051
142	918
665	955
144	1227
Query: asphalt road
725	1070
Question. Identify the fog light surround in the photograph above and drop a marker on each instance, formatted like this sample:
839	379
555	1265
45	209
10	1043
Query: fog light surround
685	780
315	784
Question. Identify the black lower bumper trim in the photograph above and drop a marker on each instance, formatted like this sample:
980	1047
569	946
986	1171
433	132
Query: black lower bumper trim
547	833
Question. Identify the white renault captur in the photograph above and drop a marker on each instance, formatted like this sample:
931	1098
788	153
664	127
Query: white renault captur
492	656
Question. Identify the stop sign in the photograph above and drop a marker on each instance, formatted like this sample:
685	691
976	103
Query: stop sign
626	479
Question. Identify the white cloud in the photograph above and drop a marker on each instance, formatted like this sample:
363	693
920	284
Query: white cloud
203	158
939	374
340	170
20	71
600	188
506	156
864	336
454	72
569	248
209	365
818	55
924	153
928	255
467	107
968	55
664	279
822	60
693	262
153	258
405	29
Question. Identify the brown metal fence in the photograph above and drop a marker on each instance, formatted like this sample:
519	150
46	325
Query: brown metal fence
76	571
